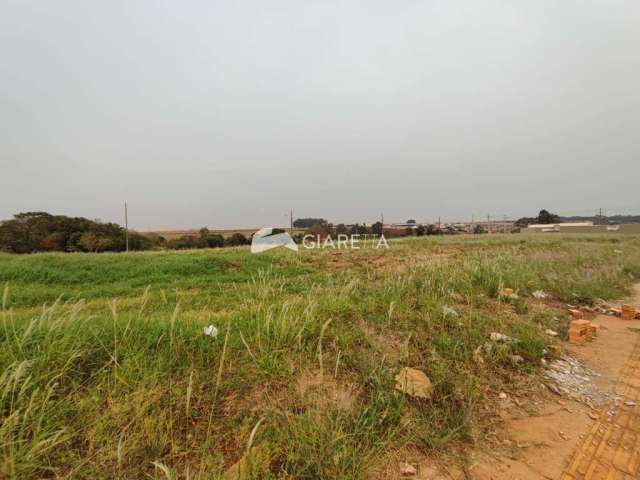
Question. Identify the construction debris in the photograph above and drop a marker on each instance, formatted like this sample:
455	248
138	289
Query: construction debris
414	382
628	312
576	314
568	377
600	306
499	337
508	293
581	331
516	359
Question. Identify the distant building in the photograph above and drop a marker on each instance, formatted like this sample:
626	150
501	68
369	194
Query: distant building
583	227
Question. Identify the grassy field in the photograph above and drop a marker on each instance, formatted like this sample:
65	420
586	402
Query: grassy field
247	232
106	373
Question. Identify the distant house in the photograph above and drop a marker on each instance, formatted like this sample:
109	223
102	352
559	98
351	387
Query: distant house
583	227
398	229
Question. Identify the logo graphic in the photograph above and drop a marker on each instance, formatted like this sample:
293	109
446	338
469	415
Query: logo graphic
268	238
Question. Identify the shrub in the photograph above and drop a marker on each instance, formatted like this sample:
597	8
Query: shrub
236	240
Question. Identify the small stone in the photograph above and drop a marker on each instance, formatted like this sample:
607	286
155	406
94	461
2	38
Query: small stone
414	382
517	359
407	470
508	293
502	396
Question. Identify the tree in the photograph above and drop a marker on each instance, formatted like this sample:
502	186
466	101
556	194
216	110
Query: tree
185	242
211	241
545	218
42	232
478	229
433	230
341	229
308	222
525	221
321	230
377	228
420	231
411	221
236	240
359	229
54	242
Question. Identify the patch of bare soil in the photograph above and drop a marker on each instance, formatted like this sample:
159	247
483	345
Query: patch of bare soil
542	428
580	385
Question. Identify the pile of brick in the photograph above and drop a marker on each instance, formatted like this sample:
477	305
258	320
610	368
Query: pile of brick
581	330
627	312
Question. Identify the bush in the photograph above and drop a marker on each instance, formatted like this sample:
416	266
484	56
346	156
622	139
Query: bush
236	240
212	241
42	232
308	222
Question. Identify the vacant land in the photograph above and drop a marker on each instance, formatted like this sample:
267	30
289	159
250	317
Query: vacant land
226	233
106	372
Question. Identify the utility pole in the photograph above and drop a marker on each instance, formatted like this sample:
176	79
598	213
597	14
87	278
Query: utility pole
291	222
126	227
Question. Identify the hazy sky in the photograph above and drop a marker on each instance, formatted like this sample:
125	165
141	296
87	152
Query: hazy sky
228	113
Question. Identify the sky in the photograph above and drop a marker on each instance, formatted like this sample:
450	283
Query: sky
231	113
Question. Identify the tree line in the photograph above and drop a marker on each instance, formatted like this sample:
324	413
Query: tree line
31	232
43	232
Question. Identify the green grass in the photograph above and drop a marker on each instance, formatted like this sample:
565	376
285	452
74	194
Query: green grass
113	377
41	278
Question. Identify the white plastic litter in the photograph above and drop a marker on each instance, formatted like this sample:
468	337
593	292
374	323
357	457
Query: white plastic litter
539	294
211	331
551	333
499	337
